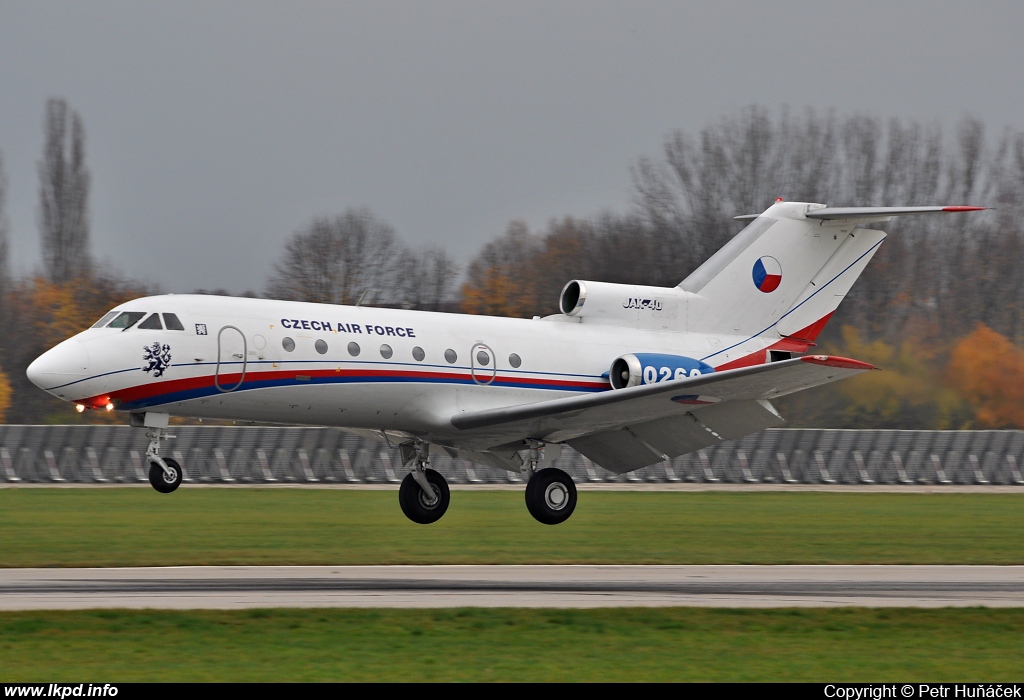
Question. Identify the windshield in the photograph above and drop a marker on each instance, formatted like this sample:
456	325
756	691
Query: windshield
172	323
103	321
127	319
152	323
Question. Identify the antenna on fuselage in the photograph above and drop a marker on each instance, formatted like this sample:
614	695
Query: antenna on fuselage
363	295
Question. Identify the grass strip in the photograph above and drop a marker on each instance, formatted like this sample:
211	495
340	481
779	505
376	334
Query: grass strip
138	527
625	644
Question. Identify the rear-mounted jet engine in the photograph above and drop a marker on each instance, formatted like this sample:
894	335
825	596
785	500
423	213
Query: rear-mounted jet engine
651	368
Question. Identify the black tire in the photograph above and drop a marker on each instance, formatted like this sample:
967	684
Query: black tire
551	496
414	502
159	478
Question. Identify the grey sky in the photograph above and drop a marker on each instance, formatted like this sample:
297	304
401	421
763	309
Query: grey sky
214	130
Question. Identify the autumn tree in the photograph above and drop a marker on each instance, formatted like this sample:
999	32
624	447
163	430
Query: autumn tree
63	195
497	279
907	393
5	384
988	371
42	314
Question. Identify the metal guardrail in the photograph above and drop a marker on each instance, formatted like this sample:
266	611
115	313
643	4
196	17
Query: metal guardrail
116	454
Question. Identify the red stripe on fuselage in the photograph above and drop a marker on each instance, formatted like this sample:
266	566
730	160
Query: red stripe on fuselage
141	392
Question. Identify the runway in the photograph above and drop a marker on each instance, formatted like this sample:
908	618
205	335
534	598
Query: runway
512	586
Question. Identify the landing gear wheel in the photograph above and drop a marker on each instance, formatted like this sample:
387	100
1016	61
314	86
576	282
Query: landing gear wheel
419	507
161	480
551	496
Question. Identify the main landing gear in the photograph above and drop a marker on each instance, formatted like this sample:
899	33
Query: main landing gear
165	474
550	496
424	494
550	492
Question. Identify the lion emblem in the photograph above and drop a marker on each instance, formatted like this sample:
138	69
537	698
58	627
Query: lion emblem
157	358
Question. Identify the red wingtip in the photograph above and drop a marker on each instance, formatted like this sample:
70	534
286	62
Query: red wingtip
834	361
958	209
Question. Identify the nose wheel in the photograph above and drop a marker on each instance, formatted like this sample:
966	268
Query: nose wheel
165	480
551	496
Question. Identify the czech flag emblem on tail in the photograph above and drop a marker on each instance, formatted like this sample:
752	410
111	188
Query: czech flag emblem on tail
767	274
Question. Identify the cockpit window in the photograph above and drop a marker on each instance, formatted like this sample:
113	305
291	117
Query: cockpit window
172	323
152	323
103	321
127	319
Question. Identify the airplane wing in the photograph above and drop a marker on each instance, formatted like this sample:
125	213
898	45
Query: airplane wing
627	429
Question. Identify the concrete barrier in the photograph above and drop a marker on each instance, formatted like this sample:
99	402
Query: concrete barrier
218	454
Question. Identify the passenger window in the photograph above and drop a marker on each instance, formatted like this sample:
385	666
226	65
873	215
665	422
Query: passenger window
172	323
386	352
103	321
127	319
353	349
152	323
288	344
321	346
418	354
515	360
450	355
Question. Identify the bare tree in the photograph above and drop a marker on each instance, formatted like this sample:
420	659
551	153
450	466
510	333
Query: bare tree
426	278
63	195
5	273
335	260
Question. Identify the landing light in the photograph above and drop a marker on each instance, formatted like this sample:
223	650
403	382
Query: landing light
110	406
79	408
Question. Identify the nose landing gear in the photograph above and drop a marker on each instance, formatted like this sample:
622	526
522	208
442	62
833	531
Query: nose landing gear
164	474
165	478
424	493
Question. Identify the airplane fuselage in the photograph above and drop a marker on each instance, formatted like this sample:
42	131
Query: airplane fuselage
345	366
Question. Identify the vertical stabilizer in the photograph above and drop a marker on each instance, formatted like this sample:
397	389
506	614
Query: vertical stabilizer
757	277
788	270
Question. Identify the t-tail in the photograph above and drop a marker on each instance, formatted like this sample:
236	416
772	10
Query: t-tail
783	276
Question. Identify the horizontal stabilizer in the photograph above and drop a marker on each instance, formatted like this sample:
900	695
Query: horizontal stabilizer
858	213
864	214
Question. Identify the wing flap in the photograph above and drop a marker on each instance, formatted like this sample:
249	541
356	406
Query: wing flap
619	451
675	435
734	419
624	449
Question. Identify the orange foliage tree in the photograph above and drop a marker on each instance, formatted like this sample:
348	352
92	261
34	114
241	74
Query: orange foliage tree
908	392
37	315
499	280
6	394
988	371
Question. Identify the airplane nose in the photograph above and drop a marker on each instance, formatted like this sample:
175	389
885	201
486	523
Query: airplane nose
62	364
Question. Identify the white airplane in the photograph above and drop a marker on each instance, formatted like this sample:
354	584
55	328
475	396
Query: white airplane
627	375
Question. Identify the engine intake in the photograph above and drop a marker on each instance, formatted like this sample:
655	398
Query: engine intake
622	304
652	368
